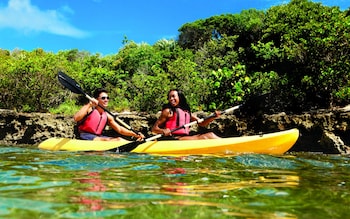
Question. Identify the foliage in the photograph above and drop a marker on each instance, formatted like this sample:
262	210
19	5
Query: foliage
27	81
310	44
226	88
69	107
298	50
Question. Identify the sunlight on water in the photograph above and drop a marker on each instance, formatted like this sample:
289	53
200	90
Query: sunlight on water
36	183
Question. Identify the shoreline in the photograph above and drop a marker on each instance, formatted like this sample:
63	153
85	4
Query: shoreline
324	131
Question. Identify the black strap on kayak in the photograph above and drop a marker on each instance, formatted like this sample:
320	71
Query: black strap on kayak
124	148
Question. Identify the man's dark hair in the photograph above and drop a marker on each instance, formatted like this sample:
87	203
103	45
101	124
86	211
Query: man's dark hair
99	91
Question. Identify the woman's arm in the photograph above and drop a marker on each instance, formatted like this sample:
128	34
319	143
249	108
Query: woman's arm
207	121
159	125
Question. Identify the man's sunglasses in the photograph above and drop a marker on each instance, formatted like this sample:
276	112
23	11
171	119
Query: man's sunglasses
104	97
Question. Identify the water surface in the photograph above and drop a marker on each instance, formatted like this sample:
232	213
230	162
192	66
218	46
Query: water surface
43	184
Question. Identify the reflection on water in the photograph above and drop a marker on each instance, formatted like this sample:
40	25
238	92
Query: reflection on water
262	182
93	179
35	183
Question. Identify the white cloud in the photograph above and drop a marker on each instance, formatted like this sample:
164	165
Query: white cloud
24	17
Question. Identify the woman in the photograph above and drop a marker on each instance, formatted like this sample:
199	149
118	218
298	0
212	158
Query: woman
176	114
92	119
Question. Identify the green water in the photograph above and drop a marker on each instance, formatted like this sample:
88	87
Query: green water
43	184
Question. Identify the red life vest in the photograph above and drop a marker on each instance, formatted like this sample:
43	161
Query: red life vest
179	118
94	122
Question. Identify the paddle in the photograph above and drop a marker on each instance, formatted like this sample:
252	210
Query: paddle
73	86
132	145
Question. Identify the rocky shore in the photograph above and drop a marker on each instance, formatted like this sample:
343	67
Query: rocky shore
324	131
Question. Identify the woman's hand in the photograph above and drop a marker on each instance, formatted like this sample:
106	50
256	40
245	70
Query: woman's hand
217	113
166	132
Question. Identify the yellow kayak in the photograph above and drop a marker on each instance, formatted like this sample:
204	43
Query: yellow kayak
272	143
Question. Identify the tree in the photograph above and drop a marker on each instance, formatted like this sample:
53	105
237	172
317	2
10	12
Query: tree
308	42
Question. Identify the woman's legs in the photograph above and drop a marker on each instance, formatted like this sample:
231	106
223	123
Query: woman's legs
104	138
209	135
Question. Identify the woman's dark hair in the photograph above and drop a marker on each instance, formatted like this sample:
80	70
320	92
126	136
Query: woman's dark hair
182	101
98	91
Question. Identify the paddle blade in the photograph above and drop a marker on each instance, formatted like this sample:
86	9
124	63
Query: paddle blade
69	83
126	147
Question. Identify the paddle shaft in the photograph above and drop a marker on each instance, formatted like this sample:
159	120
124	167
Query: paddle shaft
73	86
195	122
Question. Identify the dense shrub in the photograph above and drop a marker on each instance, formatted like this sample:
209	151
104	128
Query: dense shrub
299	52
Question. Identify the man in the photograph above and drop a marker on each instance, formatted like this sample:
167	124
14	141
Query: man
92	119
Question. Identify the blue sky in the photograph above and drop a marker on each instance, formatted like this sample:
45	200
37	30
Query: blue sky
99	26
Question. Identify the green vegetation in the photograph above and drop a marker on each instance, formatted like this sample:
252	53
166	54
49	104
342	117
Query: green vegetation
297	51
